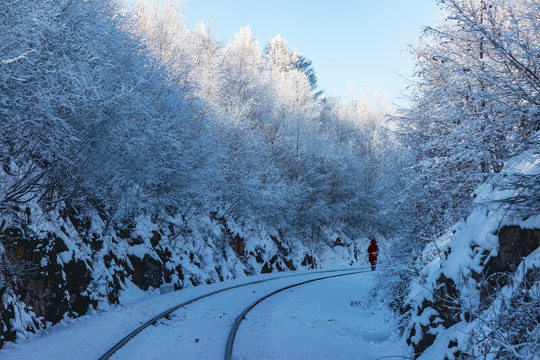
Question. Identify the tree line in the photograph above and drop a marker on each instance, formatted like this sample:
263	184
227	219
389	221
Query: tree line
120	109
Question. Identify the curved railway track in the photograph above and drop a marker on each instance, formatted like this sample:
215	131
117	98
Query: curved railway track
165	313
234	329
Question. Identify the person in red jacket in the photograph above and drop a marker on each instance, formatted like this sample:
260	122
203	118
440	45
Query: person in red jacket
373	251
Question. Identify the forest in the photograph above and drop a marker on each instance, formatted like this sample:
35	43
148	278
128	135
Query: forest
135	150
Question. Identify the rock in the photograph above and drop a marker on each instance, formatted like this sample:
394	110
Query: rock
147	272
515	243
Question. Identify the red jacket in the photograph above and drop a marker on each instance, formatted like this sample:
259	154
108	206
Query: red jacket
373	251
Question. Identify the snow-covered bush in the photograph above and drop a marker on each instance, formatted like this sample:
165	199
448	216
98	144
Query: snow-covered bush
510	328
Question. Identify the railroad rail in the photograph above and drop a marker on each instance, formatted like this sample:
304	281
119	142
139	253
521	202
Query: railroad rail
165	313
234	328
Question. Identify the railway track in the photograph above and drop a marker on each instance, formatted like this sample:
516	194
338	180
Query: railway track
169	311
236	325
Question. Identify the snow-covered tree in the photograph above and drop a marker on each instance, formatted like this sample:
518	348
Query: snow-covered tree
474	106
283	58
474	103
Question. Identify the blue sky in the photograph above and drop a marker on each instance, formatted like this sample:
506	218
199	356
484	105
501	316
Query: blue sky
359	40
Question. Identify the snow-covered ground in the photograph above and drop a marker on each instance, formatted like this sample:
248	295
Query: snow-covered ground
329	319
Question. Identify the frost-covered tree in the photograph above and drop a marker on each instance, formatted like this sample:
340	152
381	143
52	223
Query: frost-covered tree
474	105
88	120
282	57
474	102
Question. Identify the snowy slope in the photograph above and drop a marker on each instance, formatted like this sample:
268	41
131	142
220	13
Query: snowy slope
461	304
89	267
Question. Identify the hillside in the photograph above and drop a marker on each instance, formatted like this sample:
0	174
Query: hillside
478	295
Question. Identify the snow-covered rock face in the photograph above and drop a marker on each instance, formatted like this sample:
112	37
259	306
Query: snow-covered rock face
73	263
489	264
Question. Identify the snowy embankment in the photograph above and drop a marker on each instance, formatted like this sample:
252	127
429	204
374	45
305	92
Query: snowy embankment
332	318
479	293
64	264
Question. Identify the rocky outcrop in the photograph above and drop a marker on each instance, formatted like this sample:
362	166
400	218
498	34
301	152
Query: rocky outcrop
63	263
52	282
515	244
444	307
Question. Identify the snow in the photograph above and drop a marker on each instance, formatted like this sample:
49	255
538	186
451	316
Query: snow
133	294
460	256
139	250
465	246
330	319
440	349
337	310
